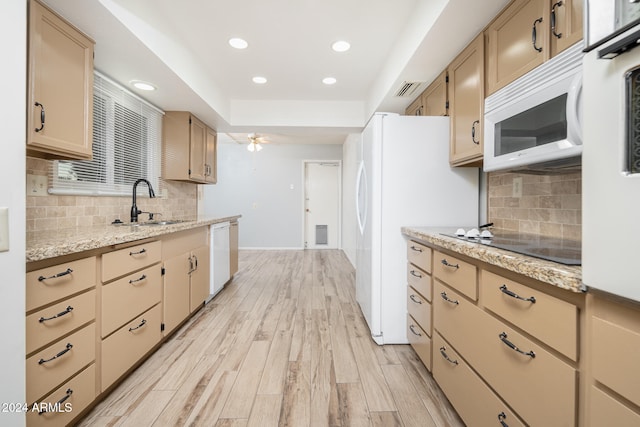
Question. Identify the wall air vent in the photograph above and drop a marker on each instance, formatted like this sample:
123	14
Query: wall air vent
408	88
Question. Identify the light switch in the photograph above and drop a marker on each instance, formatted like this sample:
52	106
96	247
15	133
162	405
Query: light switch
4	229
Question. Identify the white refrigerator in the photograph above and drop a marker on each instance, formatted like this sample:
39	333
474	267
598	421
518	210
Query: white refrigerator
403	179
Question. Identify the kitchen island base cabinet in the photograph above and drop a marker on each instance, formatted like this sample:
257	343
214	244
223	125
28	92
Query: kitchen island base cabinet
233	247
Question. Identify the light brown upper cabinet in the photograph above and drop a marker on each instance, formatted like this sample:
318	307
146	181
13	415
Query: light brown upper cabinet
188	148
60	92
466	104
434	98
415	108
527	33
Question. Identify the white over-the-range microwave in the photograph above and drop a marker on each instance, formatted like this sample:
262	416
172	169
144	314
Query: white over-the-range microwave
534	123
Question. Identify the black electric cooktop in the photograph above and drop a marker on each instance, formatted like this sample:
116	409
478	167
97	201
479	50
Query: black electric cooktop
563	251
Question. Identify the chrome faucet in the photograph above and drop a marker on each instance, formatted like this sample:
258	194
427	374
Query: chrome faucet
134	209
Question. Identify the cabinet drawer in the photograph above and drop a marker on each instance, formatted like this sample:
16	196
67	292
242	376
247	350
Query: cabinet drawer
419	255
51	323
420	341
419	308
549	319
604	410
44	374
419	280
473	400
615	352
126	298
456	273
54	283
123	261
81	391
542	389
128	344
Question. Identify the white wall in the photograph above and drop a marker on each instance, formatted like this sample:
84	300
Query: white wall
258	187
350	156
13	42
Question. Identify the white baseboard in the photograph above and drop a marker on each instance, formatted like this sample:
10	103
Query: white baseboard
272	248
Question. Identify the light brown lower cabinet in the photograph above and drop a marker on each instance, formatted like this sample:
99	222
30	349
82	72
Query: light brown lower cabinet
233	248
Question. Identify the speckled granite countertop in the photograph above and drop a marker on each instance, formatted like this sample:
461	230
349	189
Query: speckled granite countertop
560	275
54	243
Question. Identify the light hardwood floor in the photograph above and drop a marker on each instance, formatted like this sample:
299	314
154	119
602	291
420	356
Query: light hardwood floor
284	344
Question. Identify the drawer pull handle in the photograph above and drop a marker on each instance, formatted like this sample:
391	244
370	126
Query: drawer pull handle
447	299
67	348
67	310
448	264
55	276
144	322
132	281
512	294
443	352
413	298
501	417
413	248
414	332
503	338
414	274
140	252
67	395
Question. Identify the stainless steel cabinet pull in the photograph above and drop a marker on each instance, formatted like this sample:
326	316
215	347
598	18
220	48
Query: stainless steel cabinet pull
414	274
67	348
512	294
473	132
416	249
503	338
447	299
553	19
448	264
41	117
191	269
140	252
414	332
68	310
132	281
67	395
144	322
446	357
55	276
413	298
501	417
195	258
534	35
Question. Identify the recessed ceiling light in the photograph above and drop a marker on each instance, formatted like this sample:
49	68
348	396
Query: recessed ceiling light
259	80
341	46
139	84
238	43
329	80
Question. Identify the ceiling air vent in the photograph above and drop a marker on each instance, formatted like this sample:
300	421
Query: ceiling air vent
408	88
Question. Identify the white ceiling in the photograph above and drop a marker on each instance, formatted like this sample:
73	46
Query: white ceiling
181	47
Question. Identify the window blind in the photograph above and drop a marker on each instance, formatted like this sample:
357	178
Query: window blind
127	136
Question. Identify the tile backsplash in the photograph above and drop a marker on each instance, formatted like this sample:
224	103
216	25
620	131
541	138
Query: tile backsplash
550	205
56	212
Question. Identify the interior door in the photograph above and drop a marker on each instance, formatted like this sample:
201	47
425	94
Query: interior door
322	205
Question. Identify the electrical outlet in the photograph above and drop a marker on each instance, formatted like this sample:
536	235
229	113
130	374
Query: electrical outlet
36	185
517	187
4	229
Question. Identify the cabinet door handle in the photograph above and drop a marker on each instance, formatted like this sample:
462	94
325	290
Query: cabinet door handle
195	260
142	323
414	274
447	299
413	248
553	19
140	279
140	252
413	298
67	395
534	35
512	294
501	417
68	347
41	117
67	310
473	132
448	264
55	276
414	332
443	352
503	338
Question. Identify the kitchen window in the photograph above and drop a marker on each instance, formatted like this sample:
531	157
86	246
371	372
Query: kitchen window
127	133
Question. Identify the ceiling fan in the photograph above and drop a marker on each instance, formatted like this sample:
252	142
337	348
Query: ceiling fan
255	142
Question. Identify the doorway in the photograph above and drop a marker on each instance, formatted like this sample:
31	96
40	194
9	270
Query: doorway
322	204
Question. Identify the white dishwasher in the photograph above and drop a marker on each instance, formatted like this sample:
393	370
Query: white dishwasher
219	257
